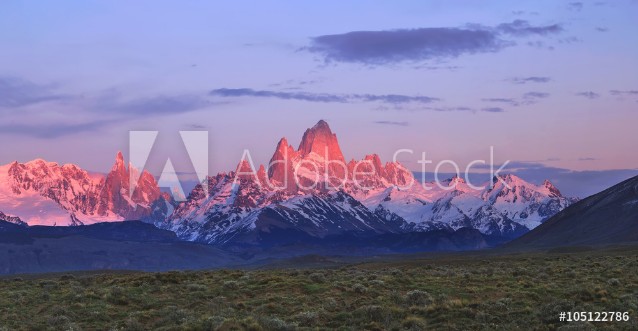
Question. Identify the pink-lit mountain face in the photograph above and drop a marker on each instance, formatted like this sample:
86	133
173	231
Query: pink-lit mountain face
46	193
318	163
311	190
308	192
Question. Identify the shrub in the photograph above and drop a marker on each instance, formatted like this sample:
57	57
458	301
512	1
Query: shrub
374	313
307	318
317	277
117	296
396	272
231	285
414	323
196	287
376	282
274	323
67	277
549	312
418	298
359	288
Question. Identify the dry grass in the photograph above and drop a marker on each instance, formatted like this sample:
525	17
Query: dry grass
494	292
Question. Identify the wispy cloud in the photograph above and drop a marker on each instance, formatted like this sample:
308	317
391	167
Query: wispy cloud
155	105
575	6
531	79
323	97
77	113
493	109
587	159
531	98
392	123
509	101
602	29
16	92
621	93
197	126
528	98
412	45
588	94
54	130
522	28
535	95
466	109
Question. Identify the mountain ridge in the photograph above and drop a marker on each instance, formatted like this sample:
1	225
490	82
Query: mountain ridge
608	217
310	190
238	205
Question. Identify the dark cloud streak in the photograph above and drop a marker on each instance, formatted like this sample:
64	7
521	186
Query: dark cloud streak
575	6
54	130
588	95
395	123
535	95
620	93
531	79
16	93
522	28
411	45
323	97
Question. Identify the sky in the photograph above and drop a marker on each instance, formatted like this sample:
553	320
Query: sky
551	85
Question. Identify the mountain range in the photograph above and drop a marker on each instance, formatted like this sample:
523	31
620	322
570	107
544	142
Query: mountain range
46	193
306	194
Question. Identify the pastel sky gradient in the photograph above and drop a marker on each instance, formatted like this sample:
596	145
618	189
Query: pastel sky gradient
552	85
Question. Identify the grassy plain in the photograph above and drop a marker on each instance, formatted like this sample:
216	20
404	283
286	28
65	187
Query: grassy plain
471	291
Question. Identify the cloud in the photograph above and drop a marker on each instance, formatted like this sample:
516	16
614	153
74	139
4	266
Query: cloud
460	108
155	105
522	28
509	101
587	159
381	47
575	6
531	79
16	92
437	67
526	99
621	93
602	29
535	95
82	112
493	110
468	109
392	123
531	98
197	126
412	45
569	40
53	130
323	97
588	94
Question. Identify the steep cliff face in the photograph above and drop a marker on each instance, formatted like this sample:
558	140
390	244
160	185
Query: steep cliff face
115	195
